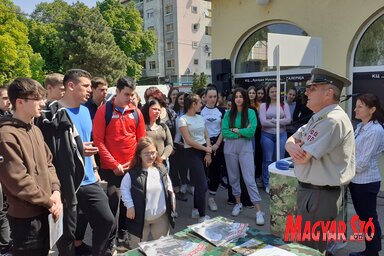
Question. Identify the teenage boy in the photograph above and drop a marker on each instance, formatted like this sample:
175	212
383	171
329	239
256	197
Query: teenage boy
67	127
54	85
117	139
5	104
99	95
27	174
5	239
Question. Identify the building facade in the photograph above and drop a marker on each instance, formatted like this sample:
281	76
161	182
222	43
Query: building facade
183	30
351	32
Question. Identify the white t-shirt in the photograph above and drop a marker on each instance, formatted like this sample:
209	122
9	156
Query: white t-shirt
196	128
212	117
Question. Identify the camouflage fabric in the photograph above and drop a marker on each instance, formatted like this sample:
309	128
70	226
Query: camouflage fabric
283	201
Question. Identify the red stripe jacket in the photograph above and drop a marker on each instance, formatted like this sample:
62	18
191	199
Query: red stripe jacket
117	142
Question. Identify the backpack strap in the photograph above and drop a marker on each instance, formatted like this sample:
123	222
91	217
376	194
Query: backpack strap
109	112
136	116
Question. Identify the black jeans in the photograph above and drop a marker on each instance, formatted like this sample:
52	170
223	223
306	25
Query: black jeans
81	225
195	161
4	224
65	244
214	169
30	235
364	198
178	169
94	203
115	204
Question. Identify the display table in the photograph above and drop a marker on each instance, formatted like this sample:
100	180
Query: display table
267	238
283	188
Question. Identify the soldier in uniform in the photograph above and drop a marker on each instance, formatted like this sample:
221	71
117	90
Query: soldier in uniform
323	151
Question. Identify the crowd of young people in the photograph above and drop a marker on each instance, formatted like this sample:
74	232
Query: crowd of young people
149	156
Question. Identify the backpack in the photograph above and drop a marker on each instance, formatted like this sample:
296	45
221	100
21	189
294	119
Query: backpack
109	111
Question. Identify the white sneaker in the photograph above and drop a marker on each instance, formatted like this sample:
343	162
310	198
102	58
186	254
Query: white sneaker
237	209
195	213
202	219
212	204
191	189
260	218
267	190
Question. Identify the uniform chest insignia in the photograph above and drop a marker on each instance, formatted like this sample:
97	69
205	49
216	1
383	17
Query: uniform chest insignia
312	135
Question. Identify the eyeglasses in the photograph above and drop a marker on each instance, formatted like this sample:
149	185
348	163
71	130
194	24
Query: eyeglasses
150	154
313	87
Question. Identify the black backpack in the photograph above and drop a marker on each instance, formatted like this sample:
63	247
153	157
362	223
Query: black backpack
109	111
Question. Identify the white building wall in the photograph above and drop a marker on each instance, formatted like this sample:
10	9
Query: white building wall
189	45
193	45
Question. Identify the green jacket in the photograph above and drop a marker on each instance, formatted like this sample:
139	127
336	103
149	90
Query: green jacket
247	132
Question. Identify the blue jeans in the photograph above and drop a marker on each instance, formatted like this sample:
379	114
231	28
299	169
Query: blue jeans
268	144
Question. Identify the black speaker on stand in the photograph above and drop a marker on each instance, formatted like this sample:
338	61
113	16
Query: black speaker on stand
221	75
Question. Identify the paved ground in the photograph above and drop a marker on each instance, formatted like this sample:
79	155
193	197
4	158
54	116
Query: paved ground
248	216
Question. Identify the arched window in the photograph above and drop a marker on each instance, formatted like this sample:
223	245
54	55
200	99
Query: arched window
367	62
370	49
252	56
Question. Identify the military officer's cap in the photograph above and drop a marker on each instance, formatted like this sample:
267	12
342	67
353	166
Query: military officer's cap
322	76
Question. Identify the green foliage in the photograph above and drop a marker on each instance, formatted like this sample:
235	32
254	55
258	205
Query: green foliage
45	40
203	79
126	24
199	81
15	52
74	36
91	47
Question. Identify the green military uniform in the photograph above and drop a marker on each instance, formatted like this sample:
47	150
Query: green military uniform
329	138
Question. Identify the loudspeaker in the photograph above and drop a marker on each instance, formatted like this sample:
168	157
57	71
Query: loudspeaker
221	74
